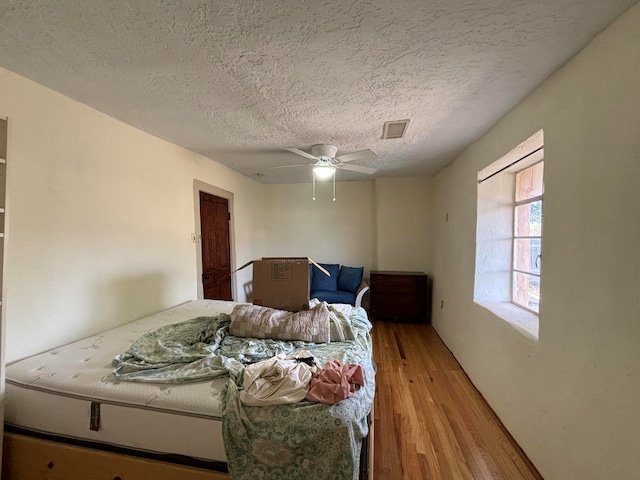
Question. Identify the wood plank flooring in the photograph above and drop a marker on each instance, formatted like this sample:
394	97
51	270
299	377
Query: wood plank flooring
430	421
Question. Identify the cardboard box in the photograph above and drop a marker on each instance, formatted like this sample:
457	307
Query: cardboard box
282	282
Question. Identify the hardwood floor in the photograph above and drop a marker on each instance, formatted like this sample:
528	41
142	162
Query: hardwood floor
430	421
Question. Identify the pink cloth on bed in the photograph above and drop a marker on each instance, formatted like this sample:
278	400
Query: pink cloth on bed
335	382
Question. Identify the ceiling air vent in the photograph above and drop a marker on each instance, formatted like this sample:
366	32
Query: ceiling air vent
395	129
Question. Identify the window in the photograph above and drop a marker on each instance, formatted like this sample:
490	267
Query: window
509	235
527	237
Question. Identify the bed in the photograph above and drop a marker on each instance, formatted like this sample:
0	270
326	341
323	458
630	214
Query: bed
68	404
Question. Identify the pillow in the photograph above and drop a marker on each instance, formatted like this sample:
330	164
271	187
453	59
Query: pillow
321	281
350	278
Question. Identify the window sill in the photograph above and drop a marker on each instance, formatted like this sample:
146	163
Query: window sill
522	320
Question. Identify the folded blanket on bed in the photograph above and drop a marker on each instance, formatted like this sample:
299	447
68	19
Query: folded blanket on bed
261	322
322	323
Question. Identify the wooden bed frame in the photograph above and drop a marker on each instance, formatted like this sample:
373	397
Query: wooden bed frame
29	458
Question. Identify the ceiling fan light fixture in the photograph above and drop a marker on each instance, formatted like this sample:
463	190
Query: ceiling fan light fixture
324	171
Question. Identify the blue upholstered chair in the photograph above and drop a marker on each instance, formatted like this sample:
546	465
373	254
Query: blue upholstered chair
345	285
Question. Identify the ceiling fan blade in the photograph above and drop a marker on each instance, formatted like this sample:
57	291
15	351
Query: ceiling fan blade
361	155
287	166
300	152
359	169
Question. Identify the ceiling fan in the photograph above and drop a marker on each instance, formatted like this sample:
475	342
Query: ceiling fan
326	161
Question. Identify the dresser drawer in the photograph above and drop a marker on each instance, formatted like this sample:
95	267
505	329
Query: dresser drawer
380	279
410	289
402	311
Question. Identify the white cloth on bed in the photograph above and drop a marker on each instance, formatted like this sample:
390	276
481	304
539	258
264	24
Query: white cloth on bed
278	380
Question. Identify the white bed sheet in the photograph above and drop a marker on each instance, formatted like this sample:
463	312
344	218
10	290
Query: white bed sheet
52	393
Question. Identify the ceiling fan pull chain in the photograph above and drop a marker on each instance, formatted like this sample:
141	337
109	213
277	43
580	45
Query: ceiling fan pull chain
314	187
334	186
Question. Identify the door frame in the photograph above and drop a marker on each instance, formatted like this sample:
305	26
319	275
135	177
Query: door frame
200	186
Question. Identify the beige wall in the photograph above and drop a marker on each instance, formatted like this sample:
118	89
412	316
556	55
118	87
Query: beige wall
327	231
404	214
571	398
375	224
99	217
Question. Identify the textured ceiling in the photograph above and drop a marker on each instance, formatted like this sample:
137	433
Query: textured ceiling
237	81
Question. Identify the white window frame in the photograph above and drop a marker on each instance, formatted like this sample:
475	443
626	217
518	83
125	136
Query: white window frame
516	237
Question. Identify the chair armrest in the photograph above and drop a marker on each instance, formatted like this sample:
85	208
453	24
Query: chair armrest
362	289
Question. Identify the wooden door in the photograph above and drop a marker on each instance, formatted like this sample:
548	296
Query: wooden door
216	255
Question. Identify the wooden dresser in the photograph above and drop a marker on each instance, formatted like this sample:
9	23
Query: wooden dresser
401	296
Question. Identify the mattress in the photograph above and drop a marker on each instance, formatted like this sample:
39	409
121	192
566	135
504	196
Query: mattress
70	392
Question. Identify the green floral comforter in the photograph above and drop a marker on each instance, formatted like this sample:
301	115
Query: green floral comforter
303	440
